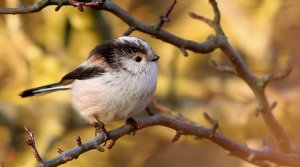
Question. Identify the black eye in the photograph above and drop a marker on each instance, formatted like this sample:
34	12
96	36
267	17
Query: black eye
138	59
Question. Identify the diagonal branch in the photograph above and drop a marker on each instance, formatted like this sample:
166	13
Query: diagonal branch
165	18
31	143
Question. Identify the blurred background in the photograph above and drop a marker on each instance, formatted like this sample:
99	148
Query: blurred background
39	48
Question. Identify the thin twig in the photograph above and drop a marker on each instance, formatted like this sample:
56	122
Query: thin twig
275	77
202	18
177	136
129	31
31	143
165	17
213	122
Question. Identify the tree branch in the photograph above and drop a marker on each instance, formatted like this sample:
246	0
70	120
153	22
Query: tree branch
236	149
165	18
31	143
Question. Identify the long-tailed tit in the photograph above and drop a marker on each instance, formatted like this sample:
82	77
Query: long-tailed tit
116	82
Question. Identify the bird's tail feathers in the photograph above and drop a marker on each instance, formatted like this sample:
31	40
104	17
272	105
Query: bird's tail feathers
44	90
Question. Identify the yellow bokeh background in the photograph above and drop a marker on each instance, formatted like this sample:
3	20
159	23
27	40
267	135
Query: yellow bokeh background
39	48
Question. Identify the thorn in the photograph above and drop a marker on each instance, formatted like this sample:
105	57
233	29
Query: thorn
165	17
60	151
31	143
78	141
111	144
129	31
214	123
177	136
183	51
201	18
60	4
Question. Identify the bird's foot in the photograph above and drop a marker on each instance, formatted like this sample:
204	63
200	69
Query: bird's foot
100	128
134	124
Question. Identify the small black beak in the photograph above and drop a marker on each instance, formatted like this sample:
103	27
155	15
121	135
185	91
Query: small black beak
155	58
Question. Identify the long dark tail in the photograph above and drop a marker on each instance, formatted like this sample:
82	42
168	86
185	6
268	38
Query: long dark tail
44	90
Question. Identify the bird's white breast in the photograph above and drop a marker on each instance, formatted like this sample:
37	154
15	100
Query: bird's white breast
114	95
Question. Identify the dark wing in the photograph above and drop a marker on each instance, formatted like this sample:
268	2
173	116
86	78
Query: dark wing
82	73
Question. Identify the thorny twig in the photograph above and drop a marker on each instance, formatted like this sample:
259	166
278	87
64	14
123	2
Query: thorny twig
213	122
31	143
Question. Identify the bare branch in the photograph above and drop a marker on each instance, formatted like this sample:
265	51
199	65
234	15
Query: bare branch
213	122
264	106
26	9
177	136
184	52
165	18
239	150
217	18
31	143
275	77
129	31
215	23
202	18
205	47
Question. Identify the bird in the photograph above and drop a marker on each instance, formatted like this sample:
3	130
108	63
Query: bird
116	82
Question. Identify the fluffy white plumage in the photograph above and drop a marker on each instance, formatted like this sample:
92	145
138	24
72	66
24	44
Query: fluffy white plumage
115	96
116	82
